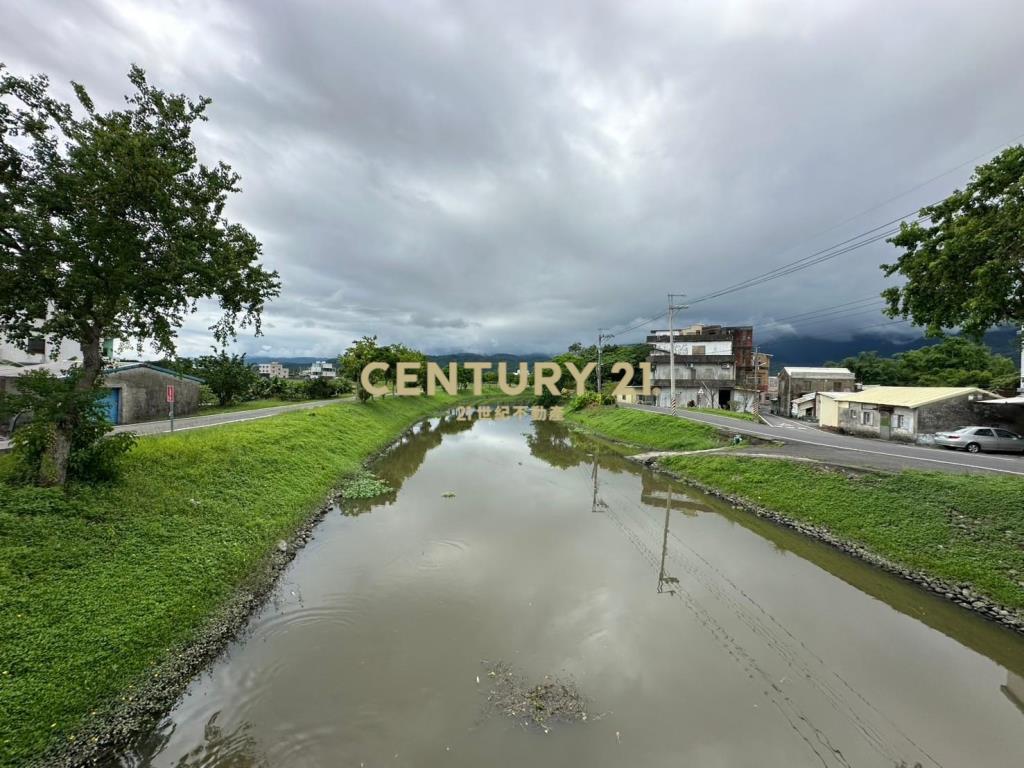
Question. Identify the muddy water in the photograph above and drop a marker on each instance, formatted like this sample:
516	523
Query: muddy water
699	635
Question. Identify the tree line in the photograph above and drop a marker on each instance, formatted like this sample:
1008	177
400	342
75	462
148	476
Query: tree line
952	362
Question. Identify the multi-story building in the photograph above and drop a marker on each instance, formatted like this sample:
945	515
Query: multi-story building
321	369
714	366
272	370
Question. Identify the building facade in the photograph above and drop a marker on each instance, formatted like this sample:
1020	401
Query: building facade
138	392
795	382
321	369
905	413
272	370
714	366
134	392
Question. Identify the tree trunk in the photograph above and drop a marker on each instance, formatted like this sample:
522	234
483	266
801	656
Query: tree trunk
54	469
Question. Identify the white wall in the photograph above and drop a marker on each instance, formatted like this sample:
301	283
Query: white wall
686	347
11	353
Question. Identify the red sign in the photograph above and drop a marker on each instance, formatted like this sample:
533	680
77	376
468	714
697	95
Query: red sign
170	393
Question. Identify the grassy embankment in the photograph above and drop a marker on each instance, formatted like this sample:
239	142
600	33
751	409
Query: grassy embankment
646	430
959	528
741	415
97	584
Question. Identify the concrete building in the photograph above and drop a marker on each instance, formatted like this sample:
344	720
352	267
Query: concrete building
905	413
714	366
633	395
321	369
135	391
138	392
806	406
272	370
795	382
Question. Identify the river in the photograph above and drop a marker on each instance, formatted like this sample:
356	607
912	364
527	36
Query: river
700	636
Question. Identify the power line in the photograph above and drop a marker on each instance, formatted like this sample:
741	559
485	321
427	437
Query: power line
849	245
757	280
872	297
825	254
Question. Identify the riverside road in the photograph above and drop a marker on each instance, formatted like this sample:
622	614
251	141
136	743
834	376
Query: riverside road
805	441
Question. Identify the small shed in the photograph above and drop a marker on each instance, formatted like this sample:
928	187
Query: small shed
139	392
905	413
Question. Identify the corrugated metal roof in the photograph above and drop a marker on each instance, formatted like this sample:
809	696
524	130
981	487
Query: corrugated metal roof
906	397
822	373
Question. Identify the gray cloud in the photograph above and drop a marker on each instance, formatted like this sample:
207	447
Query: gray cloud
496	176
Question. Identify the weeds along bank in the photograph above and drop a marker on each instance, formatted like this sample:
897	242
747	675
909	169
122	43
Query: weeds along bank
99	584
965	532
646	430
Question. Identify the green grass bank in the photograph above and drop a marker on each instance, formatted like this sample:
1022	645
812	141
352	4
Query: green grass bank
958	528
98	584
646	430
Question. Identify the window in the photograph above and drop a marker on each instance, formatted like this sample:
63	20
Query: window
36	346
984	433
867	418
698	349
1007	433
901	421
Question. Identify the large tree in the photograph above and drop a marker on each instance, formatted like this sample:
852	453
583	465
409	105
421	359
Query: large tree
964	260
110	227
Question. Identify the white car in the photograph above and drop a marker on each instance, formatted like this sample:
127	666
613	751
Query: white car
977	439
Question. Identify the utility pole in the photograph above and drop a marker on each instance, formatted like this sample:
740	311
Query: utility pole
1020	388
601	337
672	349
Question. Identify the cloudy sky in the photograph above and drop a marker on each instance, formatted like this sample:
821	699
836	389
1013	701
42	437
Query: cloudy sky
511	176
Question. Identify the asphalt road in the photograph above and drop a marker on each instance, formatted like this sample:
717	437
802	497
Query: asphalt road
198	422
806	441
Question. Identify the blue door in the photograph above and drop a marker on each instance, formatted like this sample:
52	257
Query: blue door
111	403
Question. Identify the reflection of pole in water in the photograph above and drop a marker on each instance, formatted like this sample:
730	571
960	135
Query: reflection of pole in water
596	504
664	579
1014	689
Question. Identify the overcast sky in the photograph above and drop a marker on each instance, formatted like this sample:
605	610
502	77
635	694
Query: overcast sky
510	176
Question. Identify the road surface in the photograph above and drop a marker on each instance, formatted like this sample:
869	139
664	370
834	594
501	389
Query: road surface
806	441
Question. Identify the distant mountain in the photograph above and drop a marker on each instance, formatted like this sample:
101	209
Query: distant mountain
809	351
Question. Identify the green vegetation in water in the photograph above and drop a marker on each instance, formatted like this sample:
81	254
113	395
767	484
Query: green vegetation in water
644	429
98	584
959	528
364	485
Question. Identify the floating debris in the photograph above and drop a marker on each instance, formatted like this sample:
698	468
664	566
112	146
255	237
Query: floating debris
538	706
448	495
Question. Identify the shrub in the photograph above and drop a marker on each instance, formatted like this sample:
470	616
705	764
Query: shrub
93	455
319	389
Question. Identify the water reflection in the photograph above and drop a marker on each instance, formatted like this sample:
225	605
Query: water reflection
219	748
405	458
757	647
1014	690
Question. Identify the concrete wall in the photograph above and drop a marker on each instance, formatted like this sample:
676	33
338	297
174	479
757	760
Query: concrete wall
925	420
956	413
144	394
